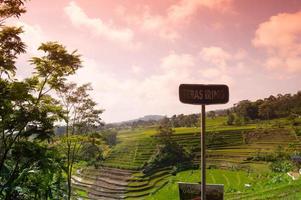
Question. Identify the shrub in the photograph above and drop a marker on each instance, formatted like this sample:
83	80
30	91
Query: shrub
169	154
230	119
110	137
238	121
91	153
281	166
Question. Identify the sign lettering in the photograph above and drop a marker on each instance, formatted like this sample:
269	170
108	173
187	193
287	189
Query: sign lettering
203	94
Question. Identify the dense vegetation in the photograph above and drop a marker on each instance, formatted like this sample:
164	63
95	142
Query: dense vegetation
269	108
33	163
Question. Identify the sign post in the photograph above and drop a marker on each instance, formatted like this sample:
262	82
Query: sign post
203	152
199	94
189	191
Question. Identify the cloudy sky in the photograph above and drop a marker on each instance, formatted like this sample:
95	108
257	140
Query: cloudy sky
136	53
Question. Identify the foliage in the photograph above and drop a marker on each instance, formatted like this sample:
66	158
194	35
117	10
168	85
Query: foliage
28	112
10	47
31	167
164	131
239	121
37	173
230	119
70	147
93	150
170	154
281	166
182	120
109	136
211	114
270	108
81	113
91	153
11	8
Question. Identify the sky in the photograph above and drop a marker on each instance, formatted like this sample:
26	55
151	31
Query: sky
135	53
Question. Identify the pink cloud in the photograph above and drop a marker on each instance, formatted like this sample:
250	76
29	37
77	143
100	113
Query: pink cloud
186	8
154	94
80	19
215	55
280	37
178	62
167	25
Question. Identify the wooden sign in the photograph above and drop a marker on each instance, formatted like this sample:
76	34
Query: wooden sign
193	191
203	94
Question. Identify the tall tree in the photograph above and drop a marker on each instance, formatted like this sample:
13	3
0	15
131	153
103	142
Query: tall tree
11	8
71	147
81	111
165	130
27	109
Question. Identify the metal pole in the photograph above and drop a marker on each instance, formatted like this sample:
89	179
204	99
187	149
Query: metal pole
203	152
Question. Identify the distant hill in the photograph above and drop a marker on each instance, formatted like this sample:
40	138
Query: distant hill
149	118
146	118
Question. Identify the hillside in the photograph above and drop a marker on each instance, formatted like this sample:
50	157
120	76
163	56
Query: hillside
229	148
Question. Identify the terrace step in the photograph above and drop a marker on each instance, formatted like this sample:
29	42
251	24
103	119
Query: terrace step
98	183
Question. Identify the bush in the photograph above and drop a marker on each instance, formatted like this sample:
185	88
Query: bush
169	154
238	121
281	166
230	119
91	153
110	137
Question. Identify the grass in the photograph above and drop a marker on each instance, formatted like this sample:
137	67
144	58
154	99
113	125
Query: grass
136	146
81	193
263	186
231	180
226	149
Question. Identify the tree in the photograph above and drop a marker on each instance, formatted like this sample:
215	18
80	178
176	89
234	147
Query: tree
71	147
266	111
168	152
67	100
27	109
11	8
164	131
10	47
230	118
37	174
29	167
80	110
79	113
246	110
110	137
211	114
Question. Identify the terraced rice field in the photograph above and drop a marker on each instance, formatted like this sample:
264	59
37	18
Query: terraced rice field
121	177
234	185
103	183
112	183
131	154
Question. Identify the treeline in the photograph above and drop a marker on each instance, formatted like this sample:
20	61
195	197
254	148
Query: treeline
287	105
182	120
